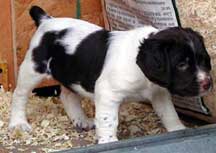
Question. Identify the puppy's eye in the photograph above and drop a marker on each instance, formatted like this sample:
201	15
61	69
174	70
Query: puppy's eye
183	65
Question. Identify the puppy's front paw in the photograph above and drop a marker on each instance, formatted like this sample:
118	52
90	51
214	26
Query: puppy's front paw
22	125
102	140
84	124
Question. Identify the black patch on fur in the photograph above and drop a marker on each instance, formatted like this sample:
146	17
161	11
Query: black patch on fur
83	67
47	49
160	54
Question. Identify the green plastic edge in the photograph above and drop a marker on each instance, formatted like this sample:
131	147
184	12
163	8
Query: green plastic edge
78	9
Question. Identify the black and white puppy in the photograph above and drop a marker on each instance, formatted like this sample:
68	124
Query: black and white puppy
110	67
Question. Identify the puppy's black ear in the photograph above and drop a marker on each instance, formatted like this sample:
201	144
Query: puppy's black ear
154	61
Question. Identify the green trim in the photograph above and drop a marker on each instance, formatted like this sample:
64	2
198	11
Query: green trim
176	12
78	9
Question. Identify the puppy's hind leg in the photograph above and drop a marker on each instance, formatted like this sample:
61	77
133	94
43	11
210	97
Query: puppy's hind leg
73	108
27	80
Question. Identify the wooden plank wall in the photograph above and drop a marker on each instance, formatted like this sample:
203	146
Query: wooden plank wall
6	44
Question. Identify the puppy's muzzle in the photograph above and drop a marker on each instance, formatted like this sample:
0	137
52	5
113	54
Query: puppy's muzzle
206	85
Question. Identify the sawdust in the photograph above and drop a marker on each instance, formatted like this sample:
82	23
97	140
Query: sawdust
52	129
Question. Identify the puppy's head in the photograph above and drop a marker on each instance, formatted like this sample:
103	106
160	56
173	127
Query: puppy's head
176	58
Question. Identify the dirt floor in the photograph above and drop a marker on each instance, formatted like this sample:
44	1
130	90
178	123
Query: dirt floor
52	130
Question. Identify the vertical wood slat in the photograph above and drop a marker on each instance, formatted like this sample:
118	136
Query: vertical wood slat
6	41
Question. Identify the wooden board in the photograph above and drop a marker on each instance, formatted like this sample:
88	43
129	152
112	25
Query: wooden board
6	44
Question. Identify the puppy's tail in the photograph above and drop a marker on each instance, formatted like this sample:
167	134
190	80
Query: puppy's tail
38	15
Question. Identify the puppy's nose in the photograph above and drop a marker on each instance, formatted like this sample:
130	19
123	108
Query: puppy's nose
206	83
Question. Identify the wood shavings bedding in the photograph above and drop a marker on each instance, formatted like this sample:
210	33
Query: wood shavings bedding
52	129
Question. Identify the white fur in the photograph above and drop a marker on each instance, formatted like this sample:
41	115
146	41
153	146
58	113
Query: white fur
27	80
74	109
82	91
121	79
202	75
